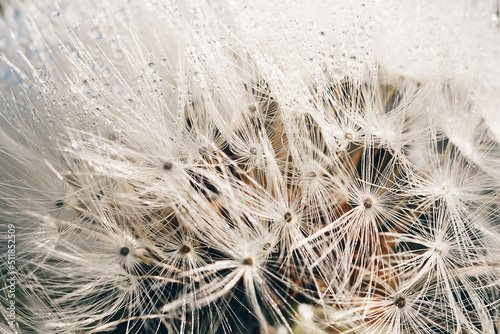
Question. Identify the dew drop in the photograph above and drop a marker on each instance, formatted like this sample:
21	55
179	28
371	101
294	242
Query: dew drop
322	36
86	86
95	32
119	54
196	77
152	67
106	72
132	103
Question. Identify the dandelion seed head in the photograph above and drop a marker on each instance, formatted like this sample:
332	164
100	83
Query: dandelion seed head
195	167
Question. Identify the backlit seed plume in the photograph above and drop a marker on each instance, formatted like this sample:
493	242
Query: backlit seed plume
249	167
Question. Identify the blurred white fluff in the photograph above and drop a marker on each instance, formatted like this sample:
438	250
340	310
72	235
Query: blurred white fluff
251	167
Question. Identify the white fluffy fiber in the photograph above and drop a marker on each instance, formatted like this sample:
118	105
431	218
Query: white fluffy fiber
250	166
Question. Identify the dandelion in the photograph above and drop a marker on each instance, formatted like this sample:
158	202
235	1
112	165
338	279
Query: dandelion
265	167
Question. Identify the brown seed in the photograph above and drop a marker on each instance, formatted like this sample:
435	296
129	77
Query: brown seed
185	249
288	217
253	151
168	165
348	136
204	152
368	203
400	302
124	251
248	261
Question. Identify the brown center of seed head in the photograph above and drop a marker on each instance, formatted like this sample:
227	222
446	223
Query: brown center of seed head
204	152
248	261
168	165
368	203
288	217
400	302
348	135
185	249
124	251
